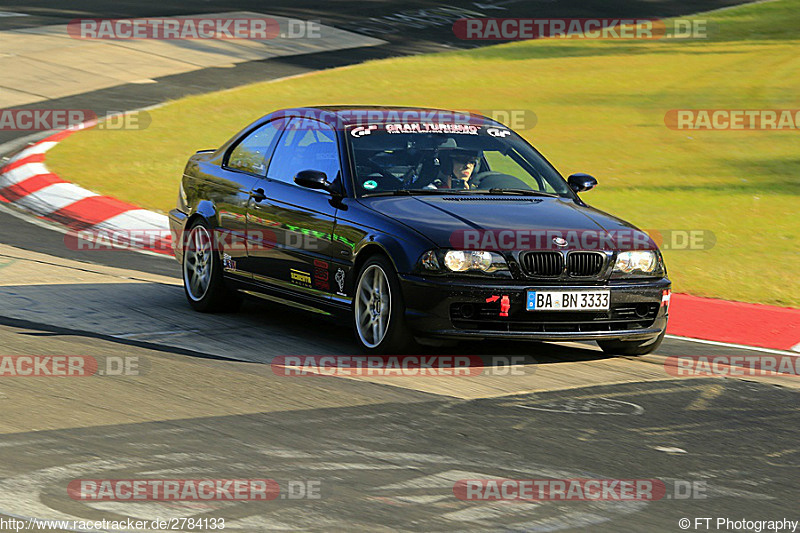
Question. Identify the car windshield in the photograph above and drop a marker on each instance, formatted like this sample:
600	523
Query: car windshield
419	158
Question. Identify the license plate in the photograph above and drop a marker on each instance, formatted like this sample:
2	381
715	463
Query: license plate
568	300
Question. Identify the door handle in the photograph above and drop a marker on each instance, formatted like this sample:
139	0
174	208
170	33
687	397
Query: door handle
258	195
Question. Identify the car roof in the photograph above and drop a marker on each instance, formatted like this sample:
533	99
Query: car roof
350	115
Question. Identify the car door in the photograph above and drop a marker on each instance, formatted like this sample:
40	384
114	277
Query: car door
242	166
290	227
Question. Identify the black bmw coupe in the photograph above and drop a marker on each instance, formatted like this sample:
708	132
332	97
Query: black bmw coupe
420	224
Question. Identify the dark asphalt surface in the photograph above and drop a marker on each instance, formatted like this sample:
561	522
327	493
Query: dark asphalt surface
391	465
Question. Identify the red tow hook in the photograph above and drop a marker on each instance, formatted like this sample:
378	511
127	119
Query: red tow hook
505	303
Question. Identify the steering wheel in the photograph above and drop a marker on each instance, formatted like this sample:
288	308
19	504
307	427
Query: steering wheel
491	179
380	170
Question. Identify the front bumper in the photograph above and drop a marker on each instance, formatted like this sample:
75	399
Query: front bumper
440	307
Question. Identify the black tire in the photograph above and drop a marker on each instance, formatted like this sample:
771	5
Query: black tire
632	347
397	338
212	296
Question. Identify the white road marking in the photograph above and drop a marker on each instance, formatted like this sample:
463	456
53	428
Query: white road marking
26	442
490	510
425	499
669	449
580	519
167	510
155	333
357	466
740	346
442	480
637	409
21	494
408	457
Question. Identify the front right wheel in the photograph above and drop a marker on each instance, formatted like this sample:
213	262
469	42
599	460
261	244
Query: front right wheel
379	310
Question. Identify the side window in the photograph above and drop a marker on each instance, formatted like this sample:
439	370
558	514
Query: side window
306	145
251	154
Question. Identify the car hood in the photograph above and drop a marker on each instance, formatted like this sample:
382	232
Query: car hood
444	219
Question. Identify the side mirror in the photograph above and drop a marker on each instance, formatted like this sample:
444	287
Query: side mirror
581	182
314	179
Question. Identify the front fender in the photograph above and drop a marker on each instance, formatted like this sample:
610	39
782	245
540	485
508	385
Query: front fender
207	210
402	254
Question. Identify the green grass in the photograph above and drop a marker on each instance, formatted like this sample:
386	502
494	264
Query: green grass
600	108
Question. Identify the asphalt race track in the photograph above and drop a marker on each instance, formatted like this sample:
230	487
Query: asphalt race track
381	453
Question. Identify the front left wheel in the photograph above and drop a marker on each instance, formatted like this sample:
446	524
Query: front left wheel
202	273
379	310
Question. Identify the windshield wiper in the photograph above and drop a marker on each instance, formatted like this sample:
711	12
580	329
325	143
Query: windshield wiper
409	192
523	192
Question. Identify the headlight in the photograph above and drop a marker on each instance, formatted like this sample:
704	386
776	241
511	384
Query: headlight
463	261
644	261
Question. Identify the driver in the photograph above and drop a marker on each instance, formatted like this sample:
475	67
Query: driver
456	168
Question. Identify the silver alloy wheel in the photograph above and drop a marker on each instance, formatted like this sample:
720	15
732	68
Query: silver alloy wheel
373	306
197	263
